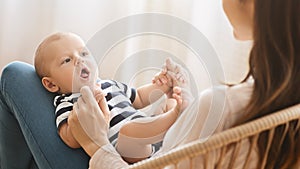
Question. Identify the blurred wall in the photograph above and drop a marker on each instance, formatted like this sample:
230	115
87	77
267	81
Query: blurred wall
25	23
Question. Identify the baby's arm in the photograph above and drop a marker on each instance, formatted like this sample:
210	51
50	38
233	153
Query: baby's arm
149	93
63	106
171	75
67	136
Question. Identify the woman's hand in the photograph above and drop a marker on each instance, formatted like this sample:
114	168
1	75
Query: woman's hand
88	122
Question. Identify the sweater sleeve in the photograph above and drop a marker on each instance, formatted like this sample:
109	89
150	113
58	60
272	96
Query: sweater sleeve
107	157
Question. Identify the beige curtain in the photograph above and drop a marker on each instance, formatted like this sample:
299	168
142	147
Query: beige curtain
25	23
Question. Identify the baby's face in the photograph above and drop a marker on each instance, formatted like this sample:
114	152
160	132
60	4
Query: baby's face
71	66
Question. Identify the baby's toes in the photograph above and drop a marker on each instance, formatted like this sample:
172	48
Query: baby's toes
177	96
177	90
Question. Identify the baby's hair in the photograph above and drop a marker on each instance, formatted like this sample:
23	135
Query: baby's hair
39	58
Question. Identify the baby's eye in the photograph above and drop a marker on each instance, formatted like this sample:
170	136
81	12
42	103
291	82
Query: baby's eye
84	53
66	60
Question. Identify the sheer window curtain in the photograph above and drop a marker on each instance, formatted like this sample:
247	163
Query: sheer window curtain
25	23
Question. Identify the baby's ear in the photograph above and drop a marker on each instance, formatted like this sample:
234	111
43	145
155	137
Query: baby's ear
49	84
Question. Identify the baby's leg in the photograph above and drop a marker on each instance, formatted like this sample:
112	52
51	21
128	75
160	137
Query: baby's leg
180	78
165	106
135	137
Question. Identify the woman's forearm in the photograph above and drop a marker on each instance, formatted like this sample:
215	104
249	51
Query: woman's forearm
107	157
90	148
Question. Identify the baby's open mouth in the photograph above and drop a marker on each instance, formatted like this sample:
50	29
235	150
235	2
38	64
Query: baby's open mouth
84	73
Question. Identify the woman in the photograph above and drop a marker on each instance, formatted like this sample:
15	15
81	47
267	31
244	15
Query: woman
274	66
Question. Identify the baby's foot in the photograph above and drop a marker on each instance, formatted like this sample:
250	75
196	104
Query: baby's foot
178	74
183	98
177	95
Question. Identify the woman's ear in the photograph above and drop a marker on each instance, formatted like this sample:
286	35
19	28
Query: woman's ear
49	84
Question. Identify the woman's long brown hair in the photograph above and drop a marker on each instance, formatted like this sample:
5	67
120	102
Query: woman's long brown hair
275	67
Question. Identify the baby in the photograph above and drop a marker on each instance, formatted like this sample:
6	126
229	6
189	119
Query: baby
64	65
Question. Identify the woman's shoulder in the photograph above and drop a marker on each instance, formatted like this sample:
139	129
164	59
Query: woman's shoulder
224	103
238	96
235	95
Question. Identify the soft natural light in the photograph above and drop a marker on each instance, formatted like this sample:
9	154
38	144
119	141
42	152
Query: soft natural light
25	23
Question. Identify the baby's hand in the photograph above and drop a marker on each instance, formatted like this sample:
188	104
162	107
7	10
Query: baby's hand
99	95
162	78
100	98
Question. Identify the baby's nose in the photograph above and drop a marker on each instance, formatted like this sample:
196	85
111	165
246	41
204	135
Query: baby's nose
79	60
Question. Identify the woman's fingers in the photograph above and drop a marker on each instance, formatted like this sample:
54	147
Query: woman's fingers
89	120
87	95
81	135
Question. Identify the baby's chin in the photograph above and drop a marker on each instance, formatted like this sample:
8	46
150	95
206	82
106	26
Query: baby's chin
76	88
